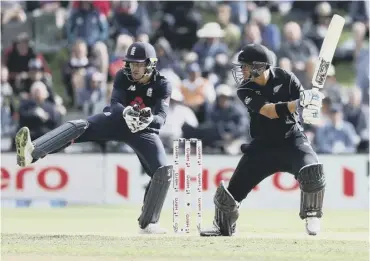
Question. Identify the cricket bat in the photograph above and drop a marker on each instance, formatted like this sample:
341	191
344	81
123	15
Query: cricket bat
327	51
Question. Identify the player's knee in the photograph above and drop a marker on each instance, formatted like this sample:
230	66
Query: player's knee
80	124
163	174
311	178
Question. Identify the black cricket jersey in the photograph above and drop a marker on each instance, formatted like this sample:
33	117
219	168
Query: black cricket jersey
282	86
155	94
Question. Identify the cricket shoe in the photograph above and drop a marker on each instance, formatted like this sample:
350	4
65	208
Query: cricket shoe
153	228
313	225
24	147
214	231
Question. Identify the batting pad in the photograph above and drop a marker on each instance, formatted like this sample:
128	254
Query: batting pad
156	196
226	210
312	183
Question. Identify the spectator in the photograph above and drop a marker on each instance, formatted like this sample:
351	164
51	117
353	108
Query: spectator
178	115
92	97
327	103
35	73
12	11
130	17
361	60
59	8
232	31
167	58
198	92
75	69
338	135
104	7
270	33
300	11
316	30
359	12
239	12
7	103
87	23
100	58
357	114
179	24
332	88
38	114
296	49
209	45
227	123
251	35
18	56
116	62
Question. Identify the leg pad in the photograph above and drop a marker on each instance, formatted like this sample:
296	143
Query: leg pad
312	183
58	137
155	196
226	212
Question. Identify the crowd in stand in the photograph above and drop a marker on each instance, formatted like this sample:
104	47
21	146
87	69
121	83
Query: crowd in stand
195	48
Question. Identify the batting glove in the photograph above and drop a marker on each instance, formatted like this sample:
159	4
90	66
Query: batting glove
311	114
311	97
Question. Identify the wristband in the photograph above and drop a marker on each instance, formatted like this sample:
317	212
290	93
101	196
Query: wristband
282	109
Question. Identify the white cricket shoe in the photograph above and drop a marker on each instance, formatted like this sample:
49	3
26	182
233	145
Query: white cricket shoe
312	226
24	147
153	229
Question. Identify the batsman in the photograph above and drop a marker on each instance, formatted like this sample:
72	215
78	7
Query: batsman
274	99
138	109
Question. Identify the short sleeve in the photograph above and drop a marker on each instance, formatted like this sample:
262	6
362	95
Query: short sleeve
251	100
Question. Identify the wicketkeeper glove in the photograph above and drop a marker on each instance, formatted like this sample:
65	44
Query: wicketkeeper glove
146	117
131	117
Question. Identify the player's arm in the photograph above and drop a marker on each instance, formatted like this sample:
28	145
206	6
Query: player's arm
259	104
278	110
161	107
118	95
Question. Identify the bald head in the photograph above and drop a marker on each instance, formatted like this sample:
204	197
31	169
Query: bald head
39	92
292	31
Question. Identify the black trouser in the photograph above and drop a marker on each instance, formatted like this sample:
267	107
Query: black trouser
147	145
263	158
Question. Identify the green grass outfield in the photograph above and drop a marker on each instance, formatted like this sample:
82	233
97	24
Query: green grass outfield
111	233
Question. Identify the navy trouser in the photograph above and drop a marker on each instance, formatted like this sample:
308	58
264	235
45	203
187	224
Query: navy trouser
147	145
263	158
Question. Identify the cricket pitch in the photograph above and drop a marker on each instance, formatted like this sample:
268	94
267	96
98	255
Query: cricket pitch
111	233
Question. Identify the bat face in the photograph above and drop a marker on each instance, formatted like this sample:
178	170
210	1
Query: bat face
327	51
321	73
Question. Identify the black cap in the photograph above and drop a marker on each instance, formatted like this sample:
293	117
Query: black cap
140	52
255	53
